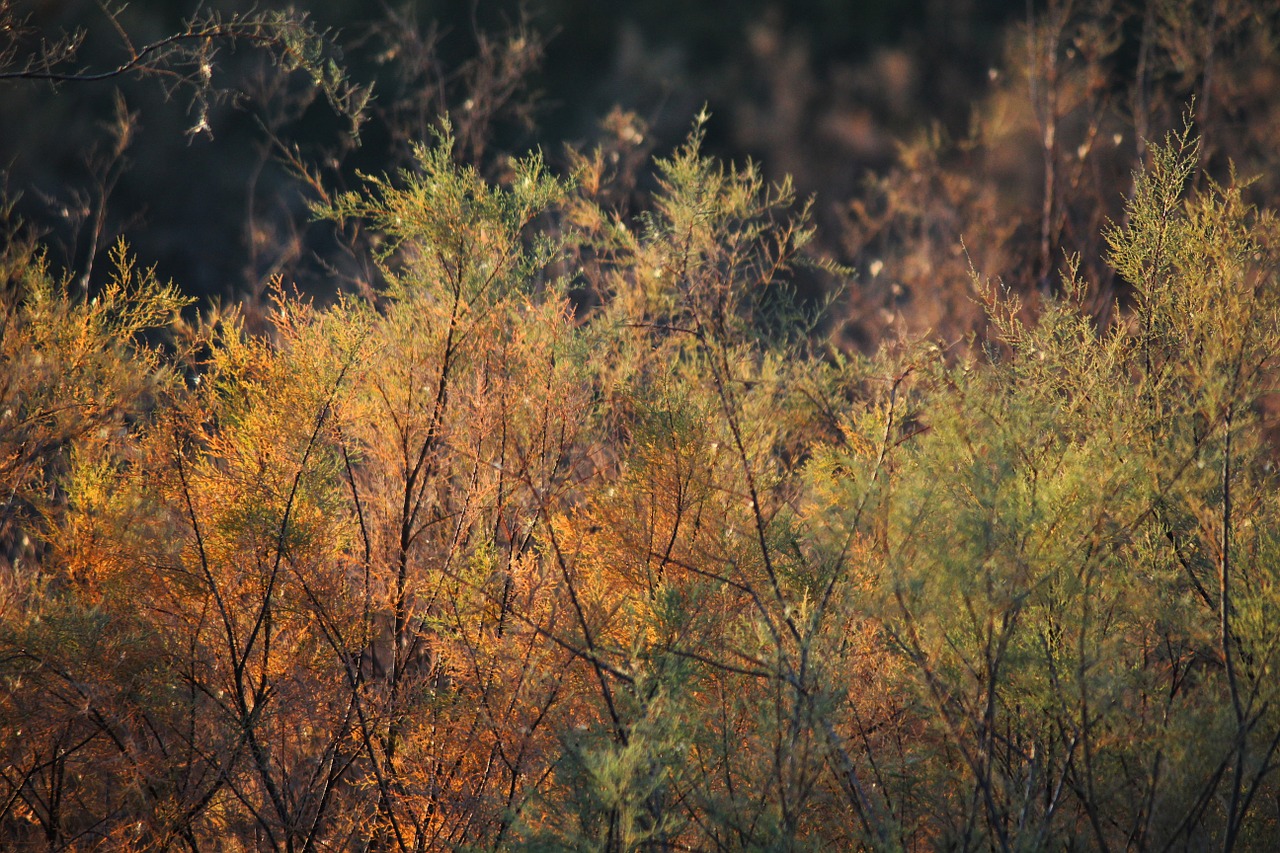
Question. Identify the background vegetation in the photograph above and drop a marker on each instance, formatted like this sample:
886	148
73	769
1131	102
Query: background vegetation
597	500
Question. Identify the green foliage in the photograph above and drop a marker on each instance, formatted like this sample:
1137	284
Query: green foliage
461	567
450	233
78	376
1065	546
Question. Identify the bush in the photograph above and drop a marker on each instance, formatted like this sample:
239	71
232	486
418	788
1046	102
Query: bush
475	561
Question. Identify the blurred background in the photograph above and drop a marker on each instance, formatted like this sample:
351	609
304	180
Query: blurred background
938	137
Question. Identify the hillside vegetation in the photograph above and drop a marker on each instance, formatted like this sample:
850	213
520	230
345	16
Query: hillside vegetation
580	531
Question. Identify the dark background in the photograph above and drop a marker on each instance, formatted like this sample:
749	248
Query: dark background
940	138
818	90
